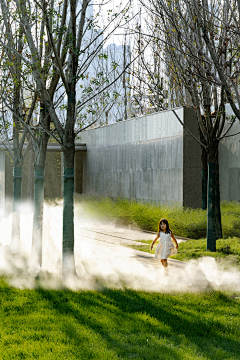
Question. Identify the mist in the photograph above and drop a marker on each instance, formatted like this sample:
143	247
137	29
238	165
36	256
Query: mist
100	264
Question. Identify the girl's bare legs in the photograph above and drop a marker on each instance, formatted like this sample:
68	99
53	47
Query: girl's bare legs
165	266
164	263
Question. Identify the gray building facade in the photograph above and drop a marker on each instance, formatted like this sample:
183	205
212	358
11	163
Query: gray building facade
150	159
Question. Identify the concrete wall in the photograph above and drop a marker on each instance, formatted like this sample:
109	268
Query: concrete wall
144	159
192	186
150	159
229	164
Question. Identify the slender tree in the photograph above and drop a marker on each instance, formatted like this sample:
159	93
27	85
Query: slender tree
13	112
188	34
61	42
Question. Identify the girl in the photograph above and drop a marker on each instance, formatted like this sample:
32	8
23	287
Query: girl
165	247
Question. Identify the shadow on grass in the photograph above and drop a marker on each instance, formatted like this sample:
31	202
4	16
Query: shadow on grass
118	332
186	319
129	324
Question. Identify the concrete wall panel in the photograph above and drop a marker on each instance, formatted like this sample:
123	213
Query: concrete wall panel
233	184
192	189
138	159
229	163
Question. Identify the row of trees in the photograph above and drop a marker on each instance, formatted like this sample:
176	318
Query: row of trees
195	45
47	49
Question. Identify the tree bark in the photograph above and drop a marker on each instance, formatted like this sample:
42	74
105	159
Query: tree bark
68	263
17	151
214	224
40	158
38	216
211	214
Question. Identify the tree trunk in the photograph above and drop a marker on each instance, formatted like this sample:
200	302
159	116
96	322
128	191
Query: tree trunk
38	216
17	158
68	263
40	158
17	192
211	228
214	224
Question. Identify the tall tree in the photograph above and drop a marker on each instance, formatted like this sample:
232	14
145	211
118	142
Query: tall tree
178	29
13	111
62	40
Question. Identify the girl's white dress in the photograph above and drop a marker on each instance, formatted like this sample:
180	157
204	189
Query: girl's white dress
165	247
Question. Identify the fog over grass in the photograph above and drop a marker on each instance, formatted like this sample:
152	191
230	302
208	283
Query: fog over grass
100	264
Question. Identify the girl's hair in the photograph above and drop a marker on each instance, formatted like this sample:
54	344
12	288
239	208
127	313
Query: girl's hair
168	230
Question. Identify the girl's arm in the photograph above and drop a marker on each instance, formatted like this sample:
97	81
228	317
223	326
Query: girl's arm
174	239
154	241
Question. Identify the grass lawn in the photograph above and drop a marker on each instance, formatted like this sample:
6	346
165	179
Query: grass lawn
227	254
190	223
117	324
125	324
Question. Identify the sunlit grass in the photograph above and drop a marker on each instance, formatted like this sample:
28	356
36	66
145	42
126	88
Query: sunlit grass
227	250
190	223
115	324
